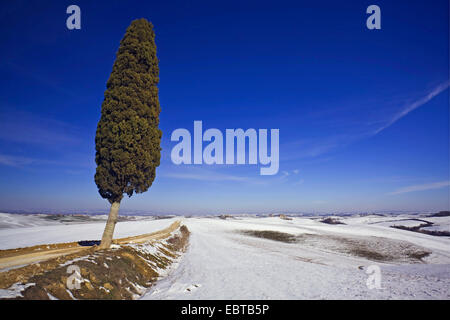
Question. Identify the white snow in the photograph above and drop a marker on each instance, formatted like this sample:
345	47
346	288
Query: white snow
224	263
14	291
8	220
57	233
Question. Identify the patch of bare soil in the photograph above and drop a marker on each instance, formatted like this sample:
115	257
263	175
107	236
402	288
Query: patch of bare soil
420	229
371	248
440	214
330	220
271	235
125	272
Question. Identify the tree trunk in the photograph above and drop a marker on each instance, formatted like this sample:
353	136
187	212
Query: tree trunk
110	225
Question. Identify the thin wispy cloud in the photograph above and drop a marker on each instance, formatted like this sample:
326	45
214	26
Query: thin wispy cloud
15	161
316	147
287	176
205	177
369	126
38	77
413	106
299	182
202	175
422	187
73	161
206	173
23	127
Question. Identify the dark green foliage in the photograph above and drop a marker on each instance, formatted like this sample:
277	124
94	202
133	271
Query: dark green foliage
127	142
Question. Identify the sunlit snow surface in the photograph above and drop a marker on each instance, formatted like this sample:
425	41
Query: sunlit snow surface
224	262
27	230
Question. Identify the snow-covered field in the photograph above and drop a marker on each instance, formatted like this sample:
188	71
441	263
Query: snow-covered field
27	230
222	263
228	259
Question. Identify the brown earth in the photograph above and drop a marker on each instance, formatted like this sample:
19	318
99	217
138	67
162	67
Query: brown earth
372	248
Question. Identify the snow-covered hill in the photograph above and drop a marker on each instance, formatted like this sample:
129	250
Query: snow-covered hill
272	258
29	230
224	263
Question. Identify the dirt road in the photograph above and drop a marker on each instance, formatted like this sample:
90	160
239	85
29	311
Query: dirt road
23	256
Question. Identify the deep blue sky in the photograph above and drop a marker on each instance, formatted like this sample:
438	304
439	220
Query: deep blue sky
363	114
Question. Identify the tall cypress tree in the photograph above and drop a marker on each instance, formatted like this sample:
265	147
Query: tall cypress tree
127	141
